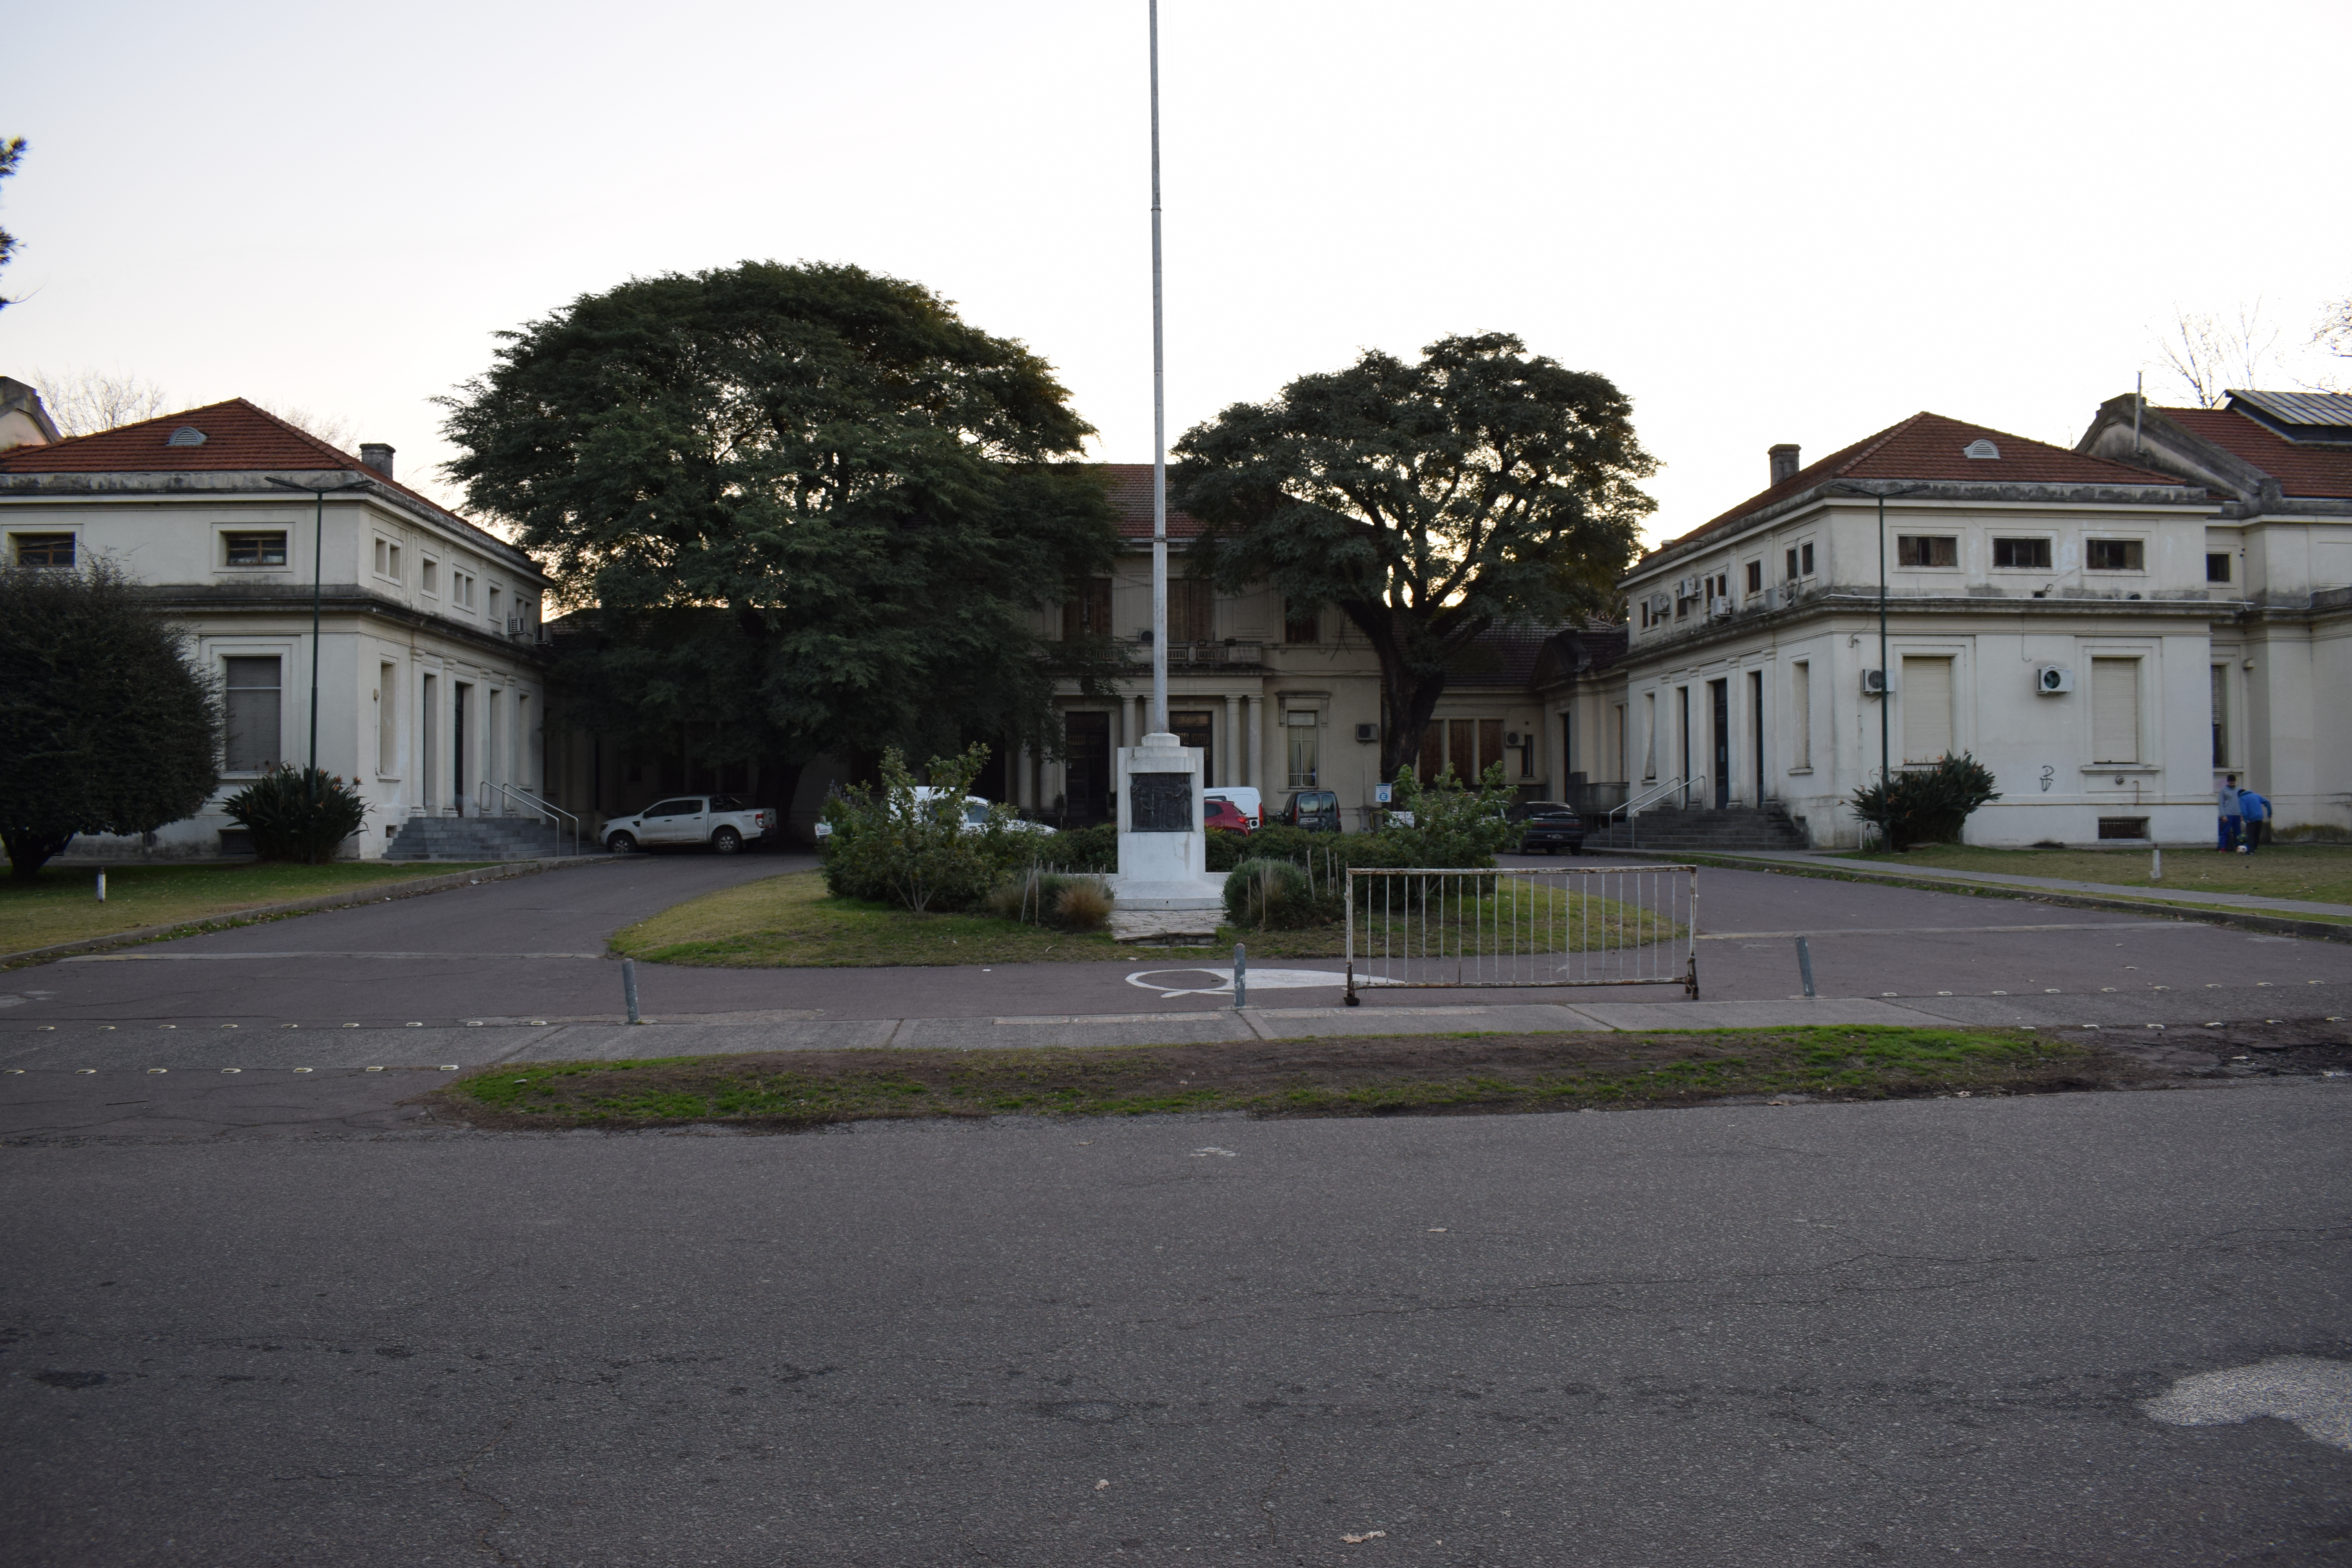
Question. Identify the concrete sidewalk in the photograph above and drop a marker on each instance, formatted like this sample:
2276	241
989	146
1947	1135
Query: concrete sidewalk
2142	1017
2172	898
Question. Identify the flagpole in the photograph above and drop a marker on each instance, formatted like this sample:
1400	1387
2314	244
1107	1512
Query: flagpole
1158	423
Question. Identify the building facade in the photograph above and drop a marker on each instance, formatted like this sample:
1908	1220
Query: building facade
429	667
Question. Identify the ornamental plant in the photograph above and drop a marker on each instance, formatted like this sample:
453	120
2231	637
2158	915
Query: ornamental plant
1925	805
893	846
298	814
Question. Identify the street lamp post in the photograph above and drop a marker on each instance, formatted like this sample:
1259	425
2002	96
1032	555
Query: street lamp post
1885	681
317	560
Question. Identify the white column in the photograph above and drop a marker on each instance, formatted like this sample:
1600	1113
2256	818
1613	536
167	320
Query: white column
1254	771
1228	754
1142	717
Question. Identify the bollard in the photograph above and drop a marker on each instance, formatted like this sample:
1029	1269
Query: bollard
1240	978
1805	964
629	985
101	887
2156	864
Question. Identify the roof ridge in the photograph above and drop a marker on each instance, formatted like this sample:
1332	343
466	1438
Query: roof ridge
1884	435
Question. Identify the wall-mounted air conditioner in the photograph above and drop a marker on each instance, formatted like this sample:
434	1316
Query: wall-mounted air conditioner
1774	597
1513	738
1719	607
1368	734
1874	683
2053	679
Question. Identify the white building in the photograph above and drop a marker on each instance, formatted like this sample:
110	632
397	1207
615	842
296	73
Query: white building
430	685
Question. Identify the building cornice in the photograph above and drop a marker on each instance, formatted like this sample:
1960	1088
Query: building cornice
1814	606
334	598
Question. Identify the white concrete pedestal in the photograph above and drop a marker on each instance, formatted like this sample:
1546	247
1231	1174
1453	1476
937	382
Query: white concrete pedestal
1163	887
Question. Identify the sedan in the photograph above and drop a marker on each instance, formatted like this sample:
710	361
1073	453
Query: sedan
1548	827
1223	816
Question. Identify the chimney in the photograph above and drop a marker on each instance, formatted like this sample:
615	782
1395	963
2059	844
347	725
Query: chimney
378	456
1784	462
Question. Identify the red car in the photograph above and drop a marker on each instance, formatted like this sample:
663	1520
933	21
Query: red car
1226	815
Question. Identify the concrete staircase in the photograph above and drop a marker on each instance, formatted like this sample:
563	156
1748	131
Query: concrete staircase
1732	827
479	838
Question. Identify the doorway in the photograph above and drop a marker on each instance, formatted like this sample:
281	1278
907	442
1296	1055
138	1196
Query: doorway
457	791
1197	729
1756	726
1087	795
1719	697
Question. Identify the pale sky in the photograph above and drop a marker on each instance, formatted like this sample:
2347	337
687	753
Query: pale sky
1766	223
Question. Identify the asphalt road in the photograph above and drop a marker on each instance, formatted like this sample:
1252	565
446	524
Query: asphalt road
1904	1332
532	948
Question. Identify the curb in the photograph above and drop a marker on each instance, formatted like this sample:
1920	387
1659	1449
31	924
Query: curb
382	892
2269	925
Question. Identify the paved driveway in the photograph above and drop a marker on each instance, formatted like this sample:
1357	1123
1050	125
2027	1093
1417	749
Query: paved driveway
1900	1334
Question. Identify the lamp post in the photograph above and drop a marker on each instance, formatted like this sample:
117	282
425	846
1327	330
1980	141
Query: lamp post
1885	681
318	559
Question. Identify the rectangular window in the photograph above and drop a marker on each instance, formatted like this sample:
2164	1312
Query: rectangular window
2021	554
255	549
1792	564
1617	717
387	719
2114	711
1087	613
1191	610
2216	567
43	549
1755	577
1926	550
1926	695
2116	555
1301	623
496	619
431	579
2221	715
1805	559
250	697
1461	747
1490	745
1801	712
1432	762
1303	756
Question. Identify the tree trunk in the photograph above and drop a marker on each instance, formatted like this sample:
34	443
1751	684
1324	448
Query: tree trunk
1408	696
29	850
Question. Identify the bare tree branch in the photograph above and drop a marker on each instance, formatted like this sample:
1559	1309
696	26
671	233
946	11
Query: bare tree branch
2208	355
84	401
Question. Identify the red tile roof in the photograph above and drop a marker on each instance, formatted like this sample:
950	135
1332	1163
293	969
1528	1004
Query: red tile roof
1130	493
1930	446
239	437
2299	470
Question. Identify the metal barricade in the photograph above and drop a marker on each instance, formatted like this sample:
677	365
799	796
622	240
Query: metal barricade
1522	926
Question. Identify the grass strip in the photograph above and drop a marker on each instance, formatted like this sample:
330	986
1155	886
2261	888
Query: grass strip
2315	873
60	905
791	922
1362	1075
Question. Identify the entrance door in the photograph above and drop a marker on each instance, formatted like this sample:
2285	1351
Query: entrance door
457	790
1086	795
1719	694
1756	725
1197	729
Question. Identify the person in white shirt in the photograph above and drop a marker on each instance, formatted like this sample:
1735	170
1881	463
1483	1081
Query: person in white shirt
2232	817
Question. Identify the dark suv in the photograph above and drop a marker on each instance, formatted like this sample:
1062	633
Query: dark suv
1546	828
1315	810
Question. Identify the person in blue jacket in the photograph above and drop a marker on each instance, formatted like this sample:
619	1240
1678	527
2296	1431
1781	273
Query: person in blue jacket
2256	811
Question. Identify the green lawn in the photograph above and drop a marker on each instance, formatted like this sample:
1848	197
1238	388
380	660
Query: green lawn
790	922
1360	1076
2319	872
62	904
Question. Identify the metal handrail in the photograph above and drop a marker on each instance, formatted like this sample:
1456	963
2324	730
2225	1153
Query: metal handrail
540	807
1635	805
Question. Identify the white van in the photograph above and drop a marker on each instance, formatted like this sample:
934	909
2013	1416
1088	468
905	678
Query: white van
1245	798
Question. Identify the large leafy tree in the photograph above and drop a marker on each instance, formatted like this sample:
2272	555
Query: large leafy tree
811	508
12	153
1428	502
104	726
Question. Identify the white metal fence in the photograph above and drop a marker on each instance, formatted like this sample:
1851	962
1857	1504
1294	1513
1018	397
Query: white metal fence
1522	926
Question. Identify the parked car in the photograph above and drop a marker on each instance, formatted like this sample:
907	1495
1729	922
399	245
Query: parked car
1315	810
721	821
975	815
1223	816
1247	796
1548	827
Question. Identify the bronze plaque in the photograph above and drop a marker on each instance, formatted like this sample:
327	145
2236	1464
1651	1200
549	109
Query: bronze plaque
1160	803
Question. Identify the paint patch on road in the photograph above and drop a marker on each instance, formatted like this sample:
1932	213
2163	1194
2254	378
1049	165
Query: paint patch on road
1220	981
2315	1394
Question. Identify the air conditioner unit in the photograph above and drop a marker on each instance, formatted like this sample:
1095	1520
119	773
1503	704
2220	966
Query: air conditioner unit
2052	679
1513	738
1874	683
1774	597
1719	607
1368	734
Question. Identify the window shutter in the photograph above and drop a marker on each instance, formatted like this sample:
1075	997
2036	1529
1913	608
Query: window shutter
1801	712
1927	698
2114	711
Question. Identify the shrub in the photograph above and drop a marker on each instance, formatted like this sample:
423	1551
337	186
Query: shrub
1927	805
1083	904
1272	895
298	814
1092	849
890	846
1454	824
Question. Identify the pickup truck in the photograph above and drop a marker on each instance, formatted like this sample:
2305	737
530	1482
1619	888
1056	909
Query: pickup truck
721	821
